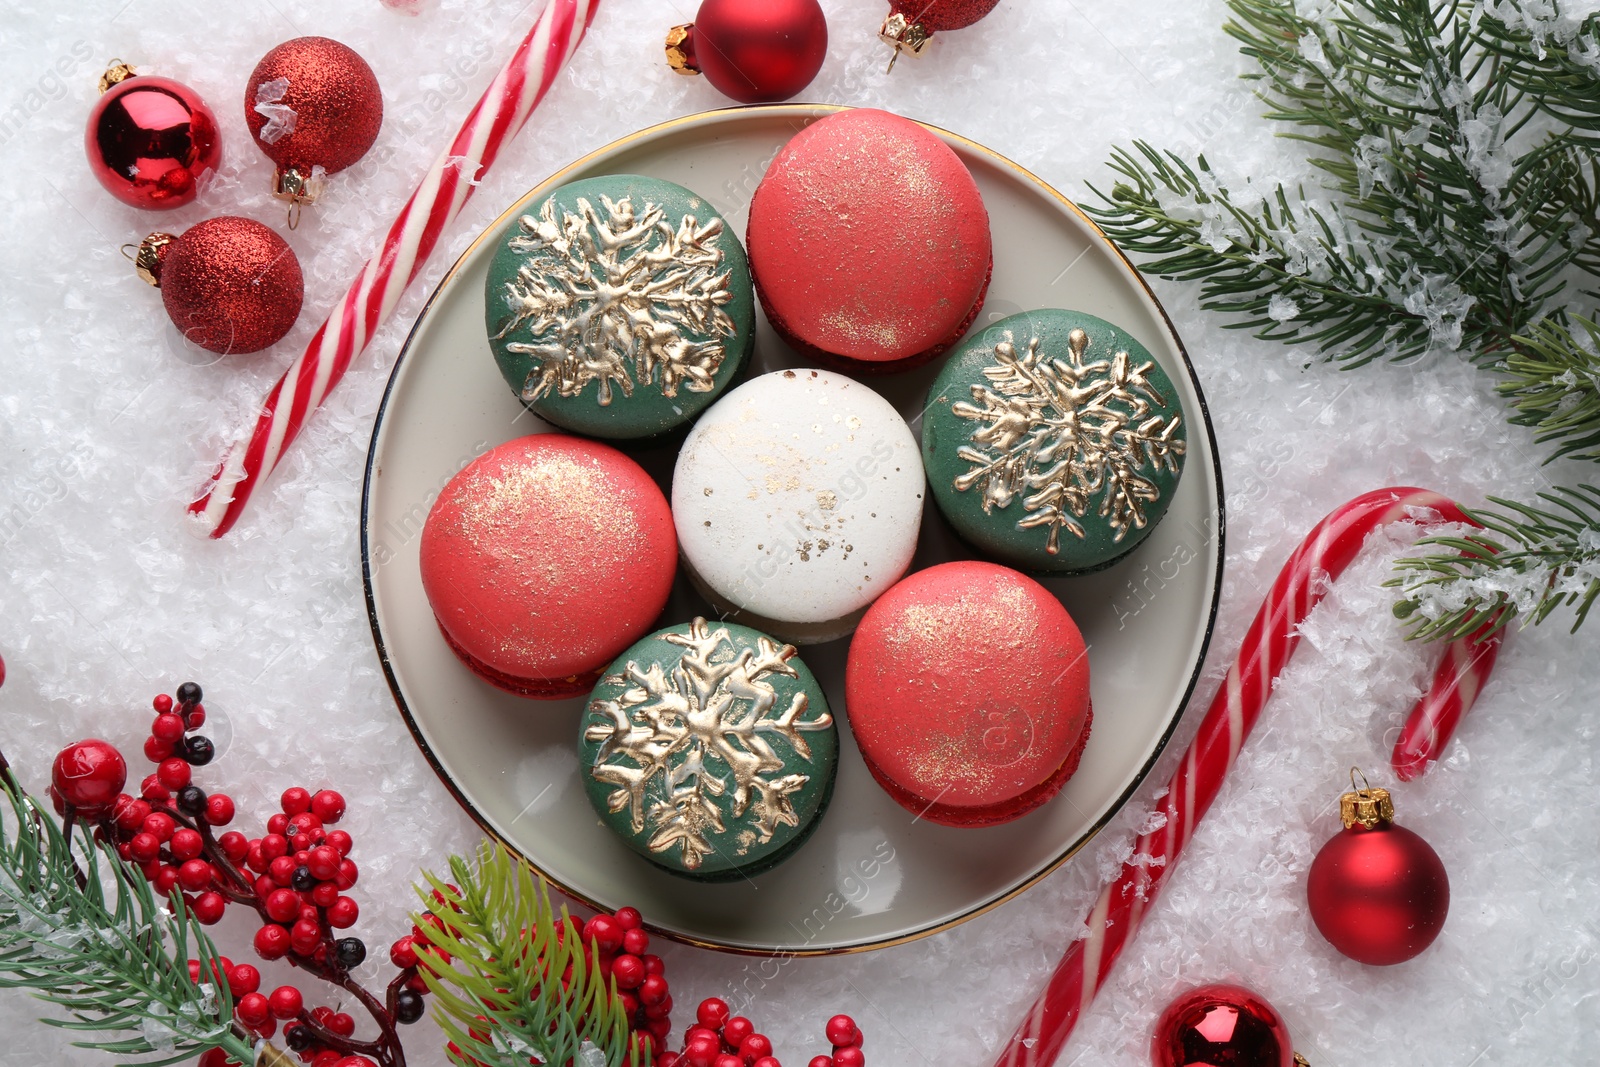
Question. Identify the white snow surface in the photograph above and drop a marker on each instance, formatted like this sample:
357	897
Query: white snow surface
107	425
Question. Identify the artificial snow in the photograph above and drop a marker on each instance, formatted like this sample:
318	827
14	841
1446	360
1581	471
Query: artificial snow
108	423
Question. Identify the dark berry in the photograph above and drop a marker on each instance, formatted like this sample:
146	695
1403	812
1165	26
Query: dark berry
352	951
192	800
303	880
188	693
298	1038
407	1006
199	750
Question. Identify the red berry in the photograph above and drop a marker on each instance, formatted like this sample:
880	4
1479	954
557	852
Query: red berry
604	931
255	859
821	1061
286	1002
654	965
668	1059
152	790
754	1047
327	1058
144	847
195	717
309	913
295	800
281	870
194	875
727	1059
282	905
702	1050
305	830
354	1061
156	750
841	1030
629	918
166	880
849	1056
328	806
324	863
219	809
174	773
347	875
131	816
263	887
161	825
341	1024
243	979
339	841
403	953
343	913
736	1029
277	824
628	971
234	846
168	728
653	990
766	1061
272	942
208	908
324	894
253	1009
162	704
186	844
274	845
304	936
88	776
635	942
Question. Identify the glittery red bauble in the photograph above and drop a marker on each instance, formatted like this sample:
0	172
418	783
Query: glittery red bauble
1379	896
151	142
231	285
88	776
1221	1026
313	102
758	51
938	15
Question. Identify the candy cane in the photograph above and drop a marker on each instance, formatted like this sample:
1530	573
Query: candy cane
1272	638
497	117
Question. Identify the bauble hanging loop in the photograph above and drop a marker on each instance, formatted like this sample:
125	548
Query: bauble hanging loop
151	141
229	284
755	51
314	107
1378	892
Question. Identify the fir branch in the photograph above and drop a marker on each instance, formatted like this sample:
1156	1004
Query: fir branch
519	989
94	941
1526	561
1459	202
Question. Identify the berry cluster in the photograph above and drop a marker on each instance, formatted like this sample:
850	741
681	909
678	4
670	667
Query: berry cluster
718	1040
294	877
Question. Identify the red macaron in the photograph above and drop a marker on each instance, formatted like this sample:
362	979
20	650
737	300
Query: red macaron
869	243
545	558
967	688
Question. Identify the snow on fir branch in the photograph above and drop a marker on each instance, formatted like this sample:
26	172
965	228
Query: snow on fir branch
1458	210
81	931
516	981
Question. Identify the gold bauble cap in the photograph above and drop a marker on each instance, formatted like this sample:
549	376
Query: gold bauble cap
1365	805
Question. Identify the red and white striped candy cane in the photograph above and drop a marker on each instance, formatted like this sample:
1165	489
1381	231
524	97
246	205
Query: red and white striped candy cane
497	117
1272	638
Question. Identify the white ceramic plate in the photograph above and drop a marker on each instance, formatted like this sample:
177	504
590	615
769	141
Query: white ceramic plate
871	875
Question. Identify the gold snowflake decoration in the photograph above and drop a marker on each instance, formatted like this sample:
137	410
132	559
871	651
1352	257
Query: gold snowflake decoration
1058	432
615	297
702	728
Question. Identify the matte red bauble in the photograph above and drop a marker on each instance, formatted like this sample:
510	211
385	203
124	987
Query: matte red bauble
756	51
1221	1026
1378	892
312	103
912	22
230	285
88	776
151	141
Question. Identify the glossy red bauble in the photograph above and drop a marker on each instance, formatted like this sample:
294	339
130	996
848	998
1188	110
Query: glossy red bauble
1379	896
313	102
1221	1026
152	142
88	776
230	285
756	51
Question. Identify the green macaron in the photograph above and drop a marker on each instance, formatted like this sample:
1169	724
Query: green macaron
709	749
619	307
1053	441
